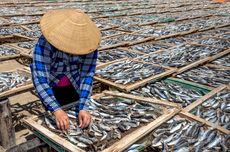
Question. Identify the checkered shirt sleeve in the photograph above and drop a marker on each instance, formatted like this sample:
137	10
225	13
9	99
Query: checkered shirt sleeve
87	71
40	74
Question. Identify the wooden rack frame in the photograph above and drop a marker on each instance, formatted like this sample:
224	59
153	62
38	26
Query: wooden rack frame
20	87
9	57
188	109
23	51
129	87
61	144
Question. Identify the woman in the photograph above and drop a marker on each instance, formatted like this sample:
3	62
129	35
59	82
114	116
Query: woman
64	62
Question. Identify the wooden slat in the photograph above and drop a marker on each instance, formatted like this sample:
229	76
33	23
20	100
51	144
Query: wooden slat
214	57
131	138
55	138
204	98
9	57
191	116
17	90
218	66
192	65
151	100
207	59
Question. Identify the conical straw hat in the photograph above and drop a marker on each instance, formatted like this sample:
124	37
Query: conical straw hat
71	31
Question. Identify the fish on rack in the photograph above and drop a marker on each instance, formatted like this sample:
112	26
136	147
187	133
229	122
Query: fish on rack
10	30
215	42
126	72
207	75
181	55
9	80
26	45
181	135
216	109
114	54
169	91
6	51
149	47
224	61
111	118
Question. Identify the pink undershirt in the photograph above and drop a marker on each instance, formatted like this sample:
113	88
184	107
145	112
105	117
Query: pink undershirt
64	81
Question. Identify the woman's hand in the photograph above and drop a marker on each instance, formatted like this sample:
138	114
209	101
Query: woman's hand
62	120
84	118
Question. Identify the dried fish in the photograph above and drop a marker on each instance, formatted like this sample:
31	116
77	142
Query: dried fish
148	47
216	42
9	80
26	45
11	30
169	91
197	35
154	32
6	51
32	34
108	42
190	136
174	40
126	72
114	54
127	114
23	19
216	109
129	37
181	55
224	61
33	27
110	32
207	76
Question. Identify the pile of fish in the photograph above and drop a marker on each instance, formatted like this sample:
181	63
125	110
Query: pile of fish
180	135
148	47
175	28
218	32
111	55
108	42
127	72
111	117
207	76
154	32
9	80
26	45
224	61
130	38
109	32
33	27
169	91
32	33
181	55
11	30
174	40
5	51
211	22
221	43
23	19
197	35
216	109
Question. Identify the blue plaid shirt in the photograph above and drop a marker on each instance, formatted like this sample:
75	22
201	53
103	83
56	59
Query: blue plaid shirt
50	65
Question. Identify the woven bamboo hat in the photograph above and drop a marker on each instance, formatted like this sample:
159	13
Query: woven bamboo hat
71	31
